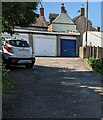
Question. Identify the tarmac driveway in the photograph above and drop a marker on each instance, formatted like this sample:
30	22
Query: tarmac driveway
54	88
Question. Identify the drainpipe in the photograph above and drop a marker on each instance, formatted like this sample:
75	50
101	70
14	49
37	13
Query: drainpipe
86	22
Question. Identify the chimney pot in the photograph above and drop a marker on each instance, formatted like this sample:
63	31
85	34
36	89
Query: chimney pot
63	8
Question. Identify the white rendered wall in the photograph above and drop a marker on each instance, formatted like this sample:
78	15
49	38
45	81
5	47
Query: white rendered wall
63	27
93	39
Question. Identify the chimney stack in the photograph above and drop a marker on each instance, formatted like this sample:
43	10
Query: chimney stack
63	8
41	10
82	10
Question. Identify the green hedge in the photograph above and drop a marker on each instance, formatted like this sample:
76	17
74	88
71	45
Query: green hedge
7	82
96	64
5	77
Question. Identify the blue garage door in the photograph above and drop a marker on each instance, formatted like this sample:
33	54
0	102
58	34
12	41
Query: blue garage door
68	48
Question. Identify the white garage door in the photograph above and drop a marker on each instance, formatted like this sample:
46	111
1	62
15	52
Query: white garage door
44	45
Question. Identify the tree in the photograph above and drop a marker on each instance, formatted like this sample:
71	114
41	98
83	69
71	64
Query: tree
17	14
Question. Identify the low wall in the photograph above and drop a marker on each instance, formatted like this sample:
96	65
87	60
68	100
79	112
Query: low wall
89	51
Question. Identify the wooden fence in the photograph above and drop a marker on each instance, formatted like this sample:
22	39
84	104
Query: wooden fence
89	51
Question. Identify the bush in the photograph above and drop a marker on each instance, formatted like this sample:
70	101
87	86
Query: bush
5	78
96	64
7	82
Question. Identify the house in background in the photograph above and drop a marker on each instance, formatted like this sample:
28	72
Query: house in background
80	22
61	22
41	24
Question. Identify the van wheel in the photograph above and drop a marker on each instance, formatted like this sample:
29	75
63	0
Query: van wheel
30	65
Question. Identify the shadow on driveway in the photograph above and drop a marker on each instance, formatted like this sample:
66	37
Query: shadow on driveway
53	92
